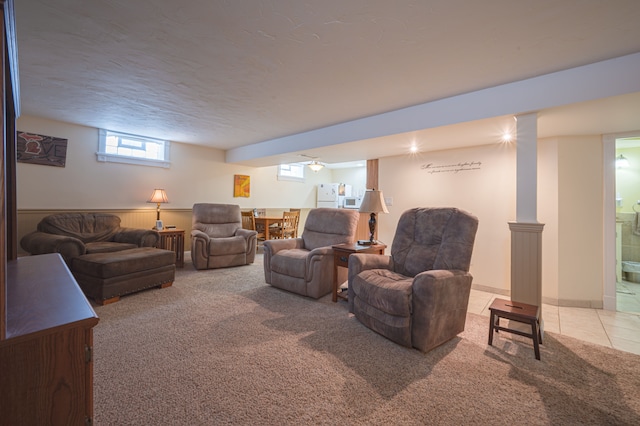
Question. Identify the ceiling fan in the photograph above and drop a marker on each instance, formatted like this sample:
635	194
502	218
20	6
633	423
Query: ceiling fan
314	164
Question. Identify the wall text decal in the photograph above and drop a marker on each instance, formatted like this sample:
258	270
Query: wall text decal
451	168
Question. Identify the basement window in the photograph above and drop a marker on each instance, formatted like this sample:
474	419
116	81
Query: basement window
293	172
132	149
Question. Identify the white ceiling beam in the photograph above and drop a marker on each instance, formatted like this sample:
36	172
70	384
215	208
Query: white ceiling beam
589	82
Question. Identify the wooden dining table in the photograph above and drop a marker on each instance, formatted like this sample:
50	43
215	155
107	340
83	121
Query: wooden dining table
266	222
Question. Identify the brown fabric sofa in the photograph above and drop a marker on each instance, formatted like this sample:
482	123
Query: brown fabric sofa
76	234
107	260
218	239
305	265
418	296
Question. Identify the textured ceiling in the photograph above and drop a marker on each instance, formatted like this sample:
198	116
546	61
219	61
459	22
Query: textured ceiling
227	74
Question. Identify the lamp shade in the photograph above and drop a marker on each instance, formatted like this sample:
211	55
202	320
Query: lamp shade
158	196
373	202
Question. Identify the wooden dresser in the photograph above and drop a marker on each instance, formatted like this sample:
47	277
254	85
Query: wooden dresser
46	359
46	322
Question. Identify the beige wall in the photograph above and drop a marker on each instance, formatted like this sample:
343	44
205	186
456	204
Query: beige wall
580	221
548	214
197	174
488	193
354	176
569	204
569	197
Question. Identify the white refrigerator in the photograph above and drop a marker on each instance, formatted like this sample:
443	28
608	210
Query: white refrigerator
332	194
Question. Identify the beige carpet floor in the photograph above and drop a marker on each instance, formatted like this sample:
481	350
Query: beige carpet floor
222	347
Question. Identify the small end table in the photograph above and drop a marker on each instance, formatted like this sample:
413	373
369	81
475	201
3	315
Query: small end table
519	312
173	239
341	253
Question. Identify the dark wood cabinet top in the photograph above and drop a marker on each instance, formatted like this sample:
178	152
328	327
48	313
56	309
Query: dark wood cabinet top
42	297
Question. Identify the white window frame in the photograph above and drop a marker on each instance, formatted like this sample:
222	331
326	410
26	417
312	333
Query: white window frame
103	156
285	172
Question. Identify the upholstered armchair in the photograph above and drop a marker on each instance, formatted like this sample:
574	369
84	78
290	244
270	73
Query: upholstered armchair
417	296
218	239
304	265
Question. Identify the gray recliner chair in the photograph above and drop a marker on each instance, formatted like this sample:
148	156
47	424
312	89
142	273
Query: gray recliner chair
418	296
218	239
305	265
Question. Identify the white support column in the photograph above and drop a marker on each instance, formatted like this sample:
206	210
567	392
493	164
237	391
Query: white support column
527	168
526	232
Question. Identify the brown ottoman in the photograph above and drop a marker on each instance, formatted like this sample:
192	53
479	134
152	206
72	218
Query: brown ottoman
106	276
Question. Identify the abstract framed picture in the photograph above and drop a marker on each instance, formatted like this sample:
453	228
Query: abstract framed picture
40	149
241	186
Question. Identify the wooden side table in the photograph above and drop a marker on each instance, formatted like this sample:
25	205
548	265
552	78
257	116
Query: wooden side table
519	312
173	239
341	253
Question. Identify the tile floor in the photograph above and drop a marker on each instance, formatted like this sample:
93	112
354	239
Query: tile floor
618	330
628	297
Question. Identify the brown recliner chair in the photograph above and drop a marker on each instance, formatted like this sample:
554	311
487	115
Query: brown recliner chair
218	239
304	265
418	296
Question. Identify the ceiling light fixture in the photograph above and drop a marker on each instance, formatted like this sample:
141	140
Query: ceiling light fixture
316	166
621	161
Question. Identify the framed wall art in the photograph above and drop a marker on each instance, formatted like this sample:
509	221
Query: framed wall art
241	186
40	149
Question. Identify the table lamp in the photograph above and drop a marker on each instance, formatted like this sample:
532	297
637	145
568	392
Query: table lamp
158	196
372	202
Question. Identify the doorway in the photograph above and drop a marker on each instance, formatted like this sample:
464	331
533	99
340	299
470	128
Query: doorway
622	216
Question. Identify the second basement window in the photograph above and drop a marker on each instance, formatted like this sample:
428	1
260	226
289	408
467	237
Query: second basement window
132	149
294	172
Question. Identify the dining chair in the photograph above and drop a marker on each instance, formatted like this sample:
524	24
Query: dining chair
288	228
297	221
249	222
